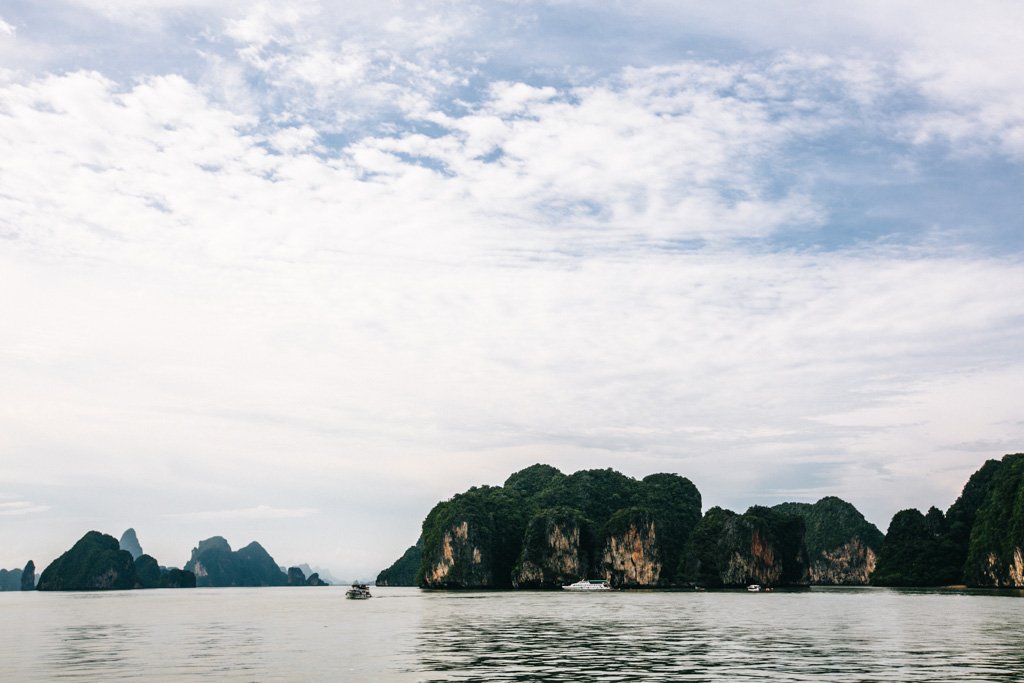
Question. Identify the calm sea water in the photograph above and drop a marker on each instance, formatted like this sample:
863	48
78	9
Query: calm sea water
402	634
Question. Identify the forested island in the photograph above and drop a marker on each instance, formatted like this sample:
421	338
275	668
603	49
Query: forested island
543	529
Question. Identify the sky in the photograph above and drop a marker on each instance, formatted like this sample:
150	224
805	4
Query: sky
294	272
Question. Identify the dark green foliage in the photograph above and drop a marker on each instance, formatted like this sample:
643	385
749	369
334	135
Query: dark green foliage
403	571
532	480
962	513
998	531
831	523
675	504
148	571
917	551
95	562
177	578
595	493
215	565
760	546
538	554
706	554
785	534
495	519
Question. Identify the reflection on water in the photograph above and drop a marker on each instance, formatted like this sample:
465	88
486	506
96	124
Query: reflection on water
820	635
314	634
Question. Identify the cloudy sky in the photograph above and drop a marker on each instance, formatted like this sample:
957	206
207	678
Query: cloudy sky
294	272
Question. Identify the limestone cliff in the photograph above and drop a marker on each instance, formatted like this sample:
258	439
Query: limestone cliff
556	550
841	545
762	546
459	561
995	556
631	556
851	564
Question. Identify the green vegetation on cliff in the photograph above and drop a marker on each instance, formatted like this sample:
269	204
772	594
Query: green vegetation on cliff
403	571
995	554
842	546
917	552
95	562
543	525
763	546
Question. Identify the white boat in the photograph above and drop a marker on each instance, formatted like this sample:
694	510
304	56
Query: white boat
588	585
358	591
754	588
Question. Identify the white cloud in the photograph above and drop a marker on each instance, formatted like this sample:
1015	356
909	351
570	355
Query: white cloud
363	269
17	508
251	513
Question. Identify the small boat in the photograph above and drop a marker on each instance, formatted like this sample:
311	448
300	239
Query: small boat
754	588
358	591
589	585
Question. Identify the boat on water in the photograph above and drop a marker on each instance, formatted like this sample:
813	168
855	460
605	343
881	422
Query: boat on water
358	591
755	588
588	585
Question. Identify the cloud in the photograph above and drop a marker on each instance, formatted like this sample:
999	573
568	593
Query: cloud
260	512
407	261
17	508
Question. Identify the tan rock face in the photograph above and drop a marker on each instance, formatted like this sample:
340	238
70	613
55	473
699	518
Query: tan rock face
851	564
455	547
632	558
560	562
1014	573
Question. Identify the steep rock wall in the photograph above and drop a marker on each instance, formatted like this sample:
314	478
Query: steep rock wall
458	562
851	564
631	558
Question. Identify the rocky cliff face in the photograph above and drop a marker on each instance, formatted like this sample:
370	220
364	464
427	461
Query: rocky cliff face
762	546
995	556
555	551
631	558
458	562
851	564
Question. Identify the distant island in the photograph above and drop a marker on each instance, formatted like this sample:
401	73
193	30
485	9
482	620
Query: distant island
543	529
99	562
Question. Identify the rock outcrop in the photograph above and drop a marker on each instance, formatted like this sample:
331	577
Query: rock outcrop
995	554
543	529
28	576
130	542
95	562
147	571
556	550
216	565
761	546
631	556
842	546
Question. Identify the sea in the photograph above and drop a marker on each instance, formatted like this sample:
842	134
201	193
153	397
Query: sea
405	634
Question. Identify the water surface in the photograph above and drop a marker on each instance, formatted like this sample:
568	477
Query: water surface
404	634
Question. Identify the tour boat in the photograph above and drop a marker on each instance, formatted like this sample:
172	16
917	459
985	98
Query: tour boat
358	591
754	588
588	585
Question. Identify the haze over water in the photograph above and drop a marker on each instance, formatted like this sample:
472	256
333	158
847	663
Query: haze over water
404	634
